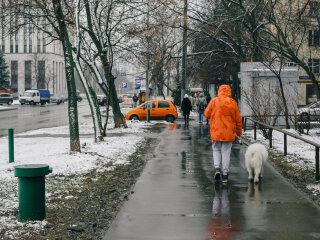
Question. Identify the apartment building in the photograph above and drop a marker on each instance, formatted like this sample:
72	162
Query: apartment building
310	53
34	60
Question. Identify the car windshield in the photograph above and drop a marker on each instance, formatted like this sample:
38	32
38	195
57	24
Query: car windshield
314	104
28	94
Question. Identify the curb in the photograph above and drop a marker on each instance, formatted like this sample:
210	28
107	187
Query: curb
7	109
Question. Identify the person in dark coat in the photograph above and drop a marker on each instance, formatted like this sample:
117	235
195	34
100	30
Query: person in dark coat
186	108
208	98
135	100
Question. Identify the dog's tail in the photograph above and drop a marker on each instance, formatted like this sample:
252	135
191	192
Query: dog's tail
260	154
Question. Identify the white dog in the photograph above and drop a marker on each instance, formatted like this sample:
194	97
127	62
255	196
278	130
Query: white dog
255	155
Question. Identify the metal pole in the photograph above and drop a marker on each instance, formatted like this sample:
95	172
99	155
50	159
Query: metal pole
255	131
148	66
11	145
285	144
317	164
184	49
270	138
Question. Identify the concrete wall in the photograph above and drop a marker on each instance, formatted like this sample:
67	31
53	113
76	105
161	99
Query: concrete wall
260	88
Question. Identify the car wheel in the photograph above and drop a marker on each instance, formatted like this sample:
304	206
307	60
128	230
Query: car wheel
304	117
22	103
170	118
9	102
134	117
31	103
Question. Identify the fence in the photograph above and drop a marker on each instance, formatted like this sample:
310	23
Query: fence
285	134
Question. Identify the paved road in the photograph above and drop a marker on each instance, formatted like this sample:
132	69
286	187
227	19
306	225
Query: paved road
29	117
176	198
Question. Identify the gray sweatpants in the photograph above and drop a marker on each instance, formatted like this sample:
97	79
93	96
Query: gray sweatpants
221	155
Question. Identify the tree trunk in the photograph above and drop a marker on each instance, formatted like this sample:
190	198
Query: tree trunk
118	117
71	85
92	100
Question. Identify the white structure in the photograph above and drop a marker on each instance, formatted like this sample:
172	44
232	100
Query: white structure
260	90
34	60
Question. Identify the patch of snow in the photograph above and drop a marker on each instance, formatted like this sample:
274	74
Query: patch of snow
53	149
295	146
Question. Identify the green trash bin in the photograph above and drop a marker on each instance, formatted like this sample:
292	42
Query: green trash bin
32	198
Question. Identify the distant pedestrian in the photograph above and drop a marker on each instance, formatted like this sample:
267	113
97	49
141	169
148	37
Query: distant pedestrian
201	105
225	122
135	100
208	99
186	108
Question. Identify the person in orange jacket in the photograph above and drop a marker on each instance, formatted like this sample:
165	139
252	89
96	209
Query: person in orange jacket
225	122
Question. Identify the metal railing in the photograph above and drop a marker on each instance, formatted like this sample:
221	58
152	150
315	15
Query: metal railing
285	134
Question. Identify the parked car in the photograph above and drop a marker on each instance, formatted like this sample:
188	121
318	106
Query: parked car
311	111
6	98
35	96
102	100
16	96
57	98
159	109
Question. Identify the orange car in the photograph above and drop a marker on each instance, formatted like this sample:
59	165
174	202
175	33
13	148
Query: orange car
159	109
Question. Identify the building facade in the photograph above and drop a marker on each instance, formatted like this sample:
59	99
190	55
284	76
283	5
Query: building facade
34	60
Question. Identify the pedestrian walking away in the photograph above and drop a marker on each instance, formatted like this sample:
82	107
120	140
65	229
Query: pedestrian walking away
186	108
208	99
201	105
225	123
135	100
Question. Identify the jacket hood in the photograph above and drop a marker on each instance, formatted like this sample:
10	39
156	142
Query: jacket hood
224	90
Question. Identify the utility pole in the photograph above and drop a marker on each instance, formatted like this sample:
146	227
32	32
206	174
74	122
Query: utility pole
148	64
184	49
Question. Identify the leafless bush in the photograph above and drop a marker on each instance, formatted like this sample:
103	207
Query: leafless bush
265	104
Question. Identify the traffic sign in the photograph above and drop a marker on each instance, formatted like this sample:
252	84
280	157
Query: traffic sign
123	74
138	82
124	85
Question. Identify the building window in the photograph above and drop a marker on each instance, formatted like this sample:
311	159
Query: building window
44	48
30	48
314	65
41	83
17	48
16	36
25	48
314	38
3	48
11	48
27	76
38	48
14	75
314	8
291	64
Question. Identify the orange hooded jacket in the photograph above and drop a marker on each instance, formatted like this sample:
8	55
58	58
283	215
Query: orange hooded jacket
224	115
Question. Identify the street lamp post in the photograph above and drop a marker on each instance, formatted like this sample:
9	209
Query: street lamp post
148	66
184	48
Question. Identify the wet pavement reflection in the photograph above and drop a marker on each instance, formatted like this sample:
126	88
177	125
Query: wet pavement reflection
176	197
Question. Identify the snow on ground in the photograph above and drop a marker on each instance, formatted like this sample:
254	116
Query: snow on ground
49	146
295	146
3	108
301	154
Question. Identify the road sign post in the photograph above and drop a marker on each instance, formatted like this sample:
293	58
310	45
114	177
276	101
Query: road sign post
11	145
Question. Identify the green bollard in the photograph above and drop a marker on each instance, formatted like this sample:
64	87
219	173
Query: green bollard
148	115
32	202
11	145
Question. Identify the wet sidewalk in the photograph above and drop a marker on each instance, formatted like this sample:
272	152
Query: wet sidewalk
176	198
